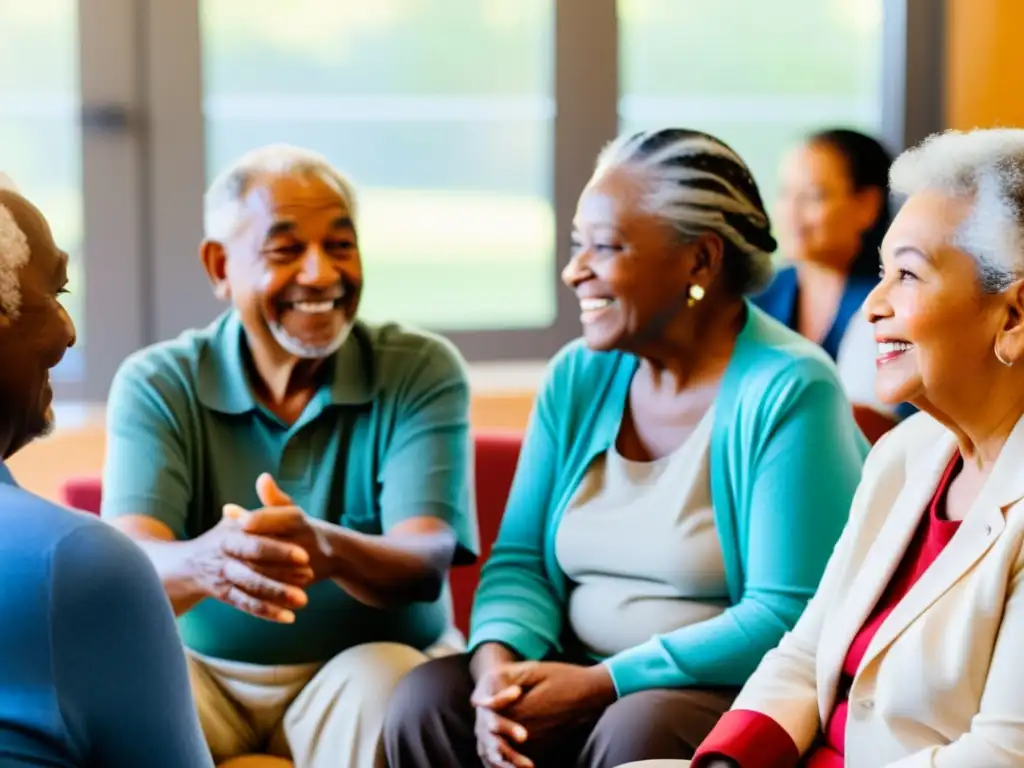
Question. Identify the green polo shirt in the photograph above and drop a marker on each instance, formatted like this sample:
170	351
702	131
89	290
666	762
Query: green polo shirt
384	439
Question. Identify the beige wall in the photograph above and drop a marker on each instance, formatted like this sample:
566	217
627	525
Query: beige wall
76	446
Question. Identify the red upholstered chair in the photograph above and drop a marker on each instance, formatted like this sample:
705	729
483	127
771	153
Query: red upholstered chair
496	455
83	493
872	423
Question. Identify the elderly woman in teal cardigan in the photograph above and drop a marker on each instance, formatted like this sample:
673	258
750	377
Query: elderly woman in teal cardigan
687	470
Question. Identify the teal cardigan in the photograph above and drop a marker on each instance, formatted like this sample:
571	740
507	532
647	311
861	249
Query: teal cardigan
785	459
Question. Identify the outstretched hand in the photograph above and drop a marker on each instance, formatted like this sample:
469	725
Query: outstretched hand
281	519
260	575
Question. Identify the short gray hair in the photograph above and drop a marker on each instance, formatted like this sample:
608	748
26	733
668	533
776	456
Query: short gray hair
14	254
987	165
699	184
223	203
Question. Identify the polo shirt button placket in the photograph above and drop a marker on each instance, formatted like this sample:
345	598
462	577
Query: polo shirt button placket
294	463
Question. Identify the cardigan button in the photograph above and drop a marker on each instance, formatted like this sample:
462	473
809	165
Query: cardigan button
867	704
988	530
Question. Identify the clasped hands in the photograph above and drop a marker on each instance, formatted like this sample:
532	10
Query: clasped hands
260	561
521	702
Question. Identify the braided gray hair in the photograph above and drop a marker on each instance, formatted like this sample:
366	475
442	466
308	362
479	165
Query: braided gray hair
699	184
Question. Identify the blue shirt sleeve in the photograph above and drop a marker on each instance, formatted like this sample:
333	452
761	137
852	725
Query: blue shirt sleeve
118	663
426	471
146	469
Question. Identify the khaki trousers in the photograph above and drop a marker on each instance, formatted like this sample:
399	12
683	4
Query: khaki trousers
318	715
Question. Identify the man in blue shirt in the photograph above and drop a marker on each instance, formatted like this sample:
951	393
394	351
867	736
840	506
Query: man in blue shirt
91	668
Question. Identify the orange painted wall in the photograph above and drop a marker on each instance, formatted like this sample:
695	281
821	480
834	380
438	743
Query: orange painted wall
984	64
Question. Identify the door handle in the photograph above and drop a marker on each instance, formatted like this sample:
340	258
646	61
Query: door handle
106	118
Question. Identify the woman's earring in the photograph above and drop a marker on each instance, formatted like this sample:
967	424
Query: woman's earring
696	294
1007	363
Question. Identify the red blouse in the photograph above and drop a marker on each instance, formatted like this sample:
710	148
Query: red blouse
754	740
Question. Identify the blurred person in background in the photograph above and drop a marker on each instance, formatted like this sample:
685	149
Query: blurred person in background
91	669
831	213
687	469
300	479
909	655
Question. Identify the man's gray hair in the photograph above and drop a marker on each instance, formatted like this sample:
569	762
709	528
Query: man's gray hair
988	166
14	254
224	201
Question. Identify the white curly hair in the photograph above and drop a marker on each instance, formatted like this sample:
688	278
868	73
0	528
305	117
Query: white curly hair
223	203
14	254
988	166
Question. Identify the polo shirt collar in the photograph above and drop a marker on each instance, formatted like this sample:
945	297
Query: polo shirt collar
6	478
223	377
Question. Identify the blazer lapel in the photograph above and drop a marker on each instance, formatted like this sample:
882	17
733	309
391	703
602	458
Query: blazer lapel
979	530
1007	481
882	559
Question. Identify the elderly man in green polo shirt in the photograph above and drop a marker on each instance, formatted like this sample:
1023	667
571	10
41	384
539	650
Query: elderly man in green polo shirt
300	479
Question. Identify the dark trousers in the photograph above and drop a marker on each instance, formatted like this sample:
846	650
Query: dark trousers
429	724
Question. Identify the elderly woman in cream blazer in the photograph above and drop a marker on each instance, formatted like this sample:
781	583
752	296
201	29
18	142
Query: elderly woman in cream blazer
911	654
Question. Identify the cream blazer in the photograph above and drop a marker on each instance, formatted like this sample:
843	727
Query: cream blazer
942	683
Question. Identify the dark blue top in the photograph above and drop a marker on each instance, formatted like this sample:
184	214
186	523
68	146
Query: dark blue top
779	300
92	672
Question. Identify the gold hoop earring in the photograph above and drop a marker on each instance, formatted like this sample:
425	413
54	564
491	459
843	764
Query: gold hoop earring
1007	363
696	294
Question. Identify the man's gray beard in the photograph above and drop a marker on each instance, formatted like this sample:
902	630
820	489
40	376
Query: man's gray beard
295	347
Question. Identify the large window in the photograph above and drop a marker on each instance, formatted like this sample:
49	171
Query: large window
40	140
758	75
441	111
469	126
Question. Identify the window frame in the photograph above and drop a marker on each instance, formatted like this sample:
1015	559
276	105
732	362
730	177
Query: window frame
143	180
112	135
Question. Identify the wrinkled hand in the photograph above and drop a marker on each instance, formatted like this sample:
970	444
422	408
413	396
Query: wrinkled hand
255	574
280	519
553	695
495	733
